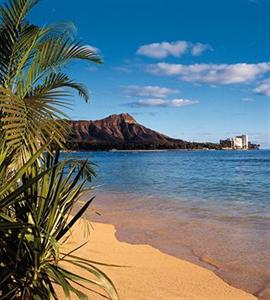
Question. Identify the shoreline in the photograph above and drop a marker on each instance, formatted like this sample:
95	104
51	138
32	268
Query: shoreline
151	274
210	245
156	150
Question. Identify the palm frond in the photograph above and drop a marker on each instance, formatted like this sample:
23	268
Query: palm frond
33	87
14	12
40	218
36	194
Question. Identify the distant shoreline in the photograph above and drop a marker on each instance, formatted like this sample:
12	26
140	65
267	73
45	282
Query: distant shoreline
155	150
122	132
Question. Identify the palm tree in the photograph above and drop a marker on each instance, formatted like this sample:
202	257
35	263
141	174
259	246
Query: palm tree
35	220
33	86
36	194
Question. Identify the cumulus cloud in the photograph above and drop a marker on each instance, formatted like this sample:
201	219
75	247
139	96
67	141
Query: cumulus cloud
176	49
149	91
164	49
155	102
263	88
199	48
212	73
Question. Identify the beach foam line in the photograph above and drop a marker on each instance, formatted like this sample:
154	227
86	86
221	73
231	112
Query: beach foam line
151	274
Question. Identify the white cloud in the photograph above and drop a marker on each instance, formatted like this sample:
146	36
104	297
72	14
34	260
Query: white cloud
92	48
247	100
149	91
176	49
263	88
199	48
164	49
212	73
162	103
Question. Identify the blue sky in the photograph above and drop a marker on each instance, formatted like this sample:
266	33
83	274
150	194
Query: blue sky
192	69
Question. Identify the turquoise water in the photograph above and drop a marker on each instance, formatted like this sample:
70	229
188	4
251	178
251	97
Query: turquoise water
209	207
237	178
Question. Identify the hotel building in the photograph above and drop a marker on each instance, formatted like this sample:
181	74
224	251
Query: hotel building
239	142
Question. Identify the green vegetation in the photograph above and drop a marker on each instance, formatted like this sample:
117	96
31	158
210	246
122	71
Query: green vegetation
37	190
33	86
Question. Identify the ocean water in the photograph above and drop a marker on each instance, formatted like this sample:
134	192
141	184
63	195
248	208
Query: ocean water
227	178
210	207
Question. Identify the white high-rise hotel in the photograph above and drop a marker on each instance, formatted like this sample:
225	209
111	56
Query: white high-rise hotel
240	142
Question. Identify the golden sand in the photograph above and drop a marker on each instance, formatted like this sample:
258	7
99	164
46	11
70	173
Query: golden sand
151	275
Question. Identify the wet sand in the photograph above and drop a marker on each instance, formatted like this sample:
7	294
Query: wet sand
224	244
150	274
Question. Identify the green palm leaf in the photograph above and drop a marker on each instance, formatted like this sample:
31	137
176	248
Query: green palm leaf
36	194
41	202
33	86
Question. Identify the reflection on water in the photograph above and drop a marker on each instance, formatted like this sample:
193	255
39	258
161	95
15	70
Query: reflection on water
212	208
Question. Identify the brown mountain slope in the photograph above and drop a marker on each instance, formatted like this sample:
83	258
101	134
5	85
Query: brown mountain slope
120	132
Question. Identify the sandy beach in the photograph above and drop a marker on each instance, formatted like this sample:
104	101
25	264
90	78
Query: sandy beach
148	273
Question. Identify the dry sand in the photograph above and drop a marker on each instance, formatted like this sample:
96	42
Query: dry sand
152	275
